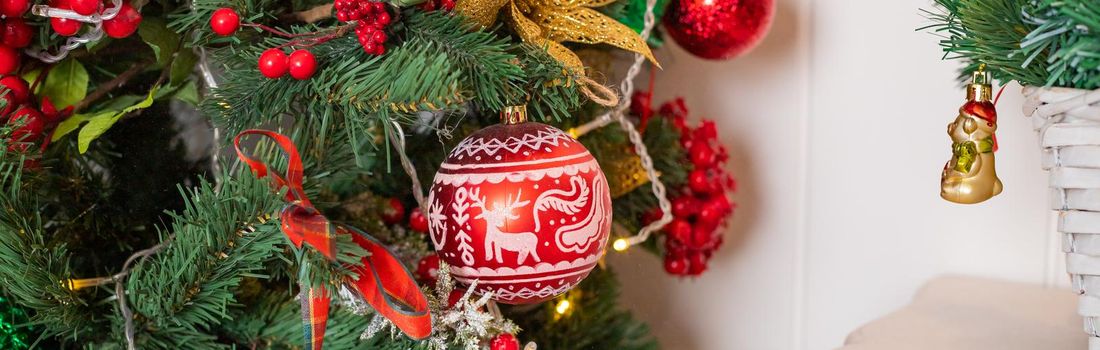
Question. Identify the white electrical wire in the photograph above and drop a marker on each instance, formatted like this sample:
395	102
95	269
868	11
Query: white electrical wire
96	33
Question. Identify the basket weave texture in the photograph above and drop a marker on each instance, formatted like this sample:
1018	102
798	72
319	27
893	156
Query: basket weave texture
1068	122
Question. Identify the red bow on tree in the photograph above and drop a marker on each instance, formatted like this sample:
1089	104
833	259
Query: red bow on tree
382	281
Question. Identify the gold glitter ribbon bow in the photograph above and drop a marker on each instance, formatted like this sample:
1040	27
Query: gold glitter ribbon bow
548	23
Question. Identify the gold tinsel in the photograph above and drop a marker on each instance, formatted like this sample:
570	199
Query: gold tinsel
549	23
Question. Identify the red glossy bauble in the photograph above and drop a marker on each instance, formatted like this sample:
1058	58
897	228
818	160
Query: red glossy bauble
9	60
718	29
393	212
124	23
16	33
504	341
523	208
302	64
273	63
417	221
14	8
225	21
85	7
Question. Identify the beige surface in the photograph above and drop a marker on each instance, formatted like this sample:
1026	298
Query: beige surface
972	313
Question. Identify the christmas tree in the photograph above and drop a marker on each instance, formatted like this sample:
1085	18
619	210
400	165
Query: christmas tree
146	206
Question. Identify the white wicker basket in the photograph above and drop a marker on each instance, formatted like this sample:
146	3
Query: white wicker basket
1068	122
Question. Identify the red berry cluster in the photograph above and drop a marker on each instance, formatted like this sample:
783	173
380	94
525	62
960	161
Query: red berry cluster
31	126
704	206
372	18
124	24
274	64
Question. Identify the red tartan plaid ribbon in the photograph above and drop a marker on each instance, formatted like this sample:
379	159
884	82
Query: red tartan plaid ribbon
382	281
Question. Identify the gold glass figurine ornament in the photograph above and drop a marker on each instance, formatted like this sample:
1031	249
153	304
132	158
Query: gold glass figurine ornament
970	177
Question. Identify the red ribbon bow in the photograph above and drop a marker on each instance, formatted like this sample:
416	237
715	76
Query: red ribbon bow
382	281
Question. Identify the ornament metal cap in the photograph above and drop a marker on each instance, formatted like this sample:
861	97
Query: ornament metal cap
512	115
980	88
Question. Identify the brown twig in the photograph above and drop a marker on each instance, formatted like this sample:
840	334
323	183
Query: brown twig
106	87
311	15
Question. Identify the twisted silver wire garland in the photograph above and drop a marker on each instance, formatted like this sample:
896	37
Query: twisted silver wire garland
72	43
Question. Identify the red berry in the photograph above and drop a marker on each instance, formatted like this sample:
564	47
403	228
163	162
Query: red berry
64	26
302	64
455	296
16	87
702	155
676	265
85	7
679	230
273	63
701	234
697	263
225	21
124	23
394	212
673	248
9	60
710	215
684	206
341	15
17	34
428	269
417	221
382	19
14	8
378	36
706	131
699	182
504	341
28	124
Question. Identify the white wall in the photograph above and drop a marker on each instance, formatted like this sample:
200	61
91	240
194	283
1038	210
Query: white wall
837	129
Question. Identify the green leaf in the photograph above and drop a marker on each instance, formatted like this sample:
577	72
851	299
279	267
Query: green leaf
71	124
182	67
163	40
66	84
30	76
101	122
189	93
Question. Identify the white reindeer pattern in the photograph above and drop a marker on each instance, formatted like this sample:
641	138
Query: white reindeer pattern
523	243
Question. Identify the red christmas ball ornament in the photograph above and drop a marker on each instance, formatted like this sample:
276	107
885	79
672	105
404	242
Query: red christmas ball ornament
718	29
302	64
85	7
504	341
14	8
394	212
522	208
273	63
9	60
17	33
428	269
124	24
417	221
225	21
